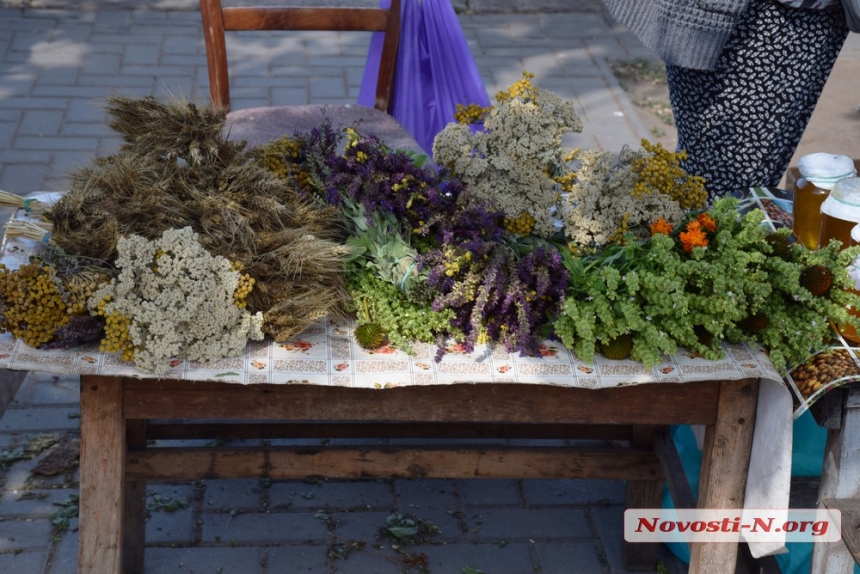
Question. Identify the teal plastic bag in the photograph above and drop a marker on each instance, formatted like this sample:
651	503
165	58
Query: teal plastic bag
808	440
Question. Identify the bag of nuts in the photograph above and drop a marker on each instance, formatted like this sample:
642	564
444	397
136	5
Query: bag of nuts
823	369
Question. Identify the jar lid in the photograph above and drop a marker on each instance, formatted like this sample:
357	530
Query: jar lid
844	200
824	169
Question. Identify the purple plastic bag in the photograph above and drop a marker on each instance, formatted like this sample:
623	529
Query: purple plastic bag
435	70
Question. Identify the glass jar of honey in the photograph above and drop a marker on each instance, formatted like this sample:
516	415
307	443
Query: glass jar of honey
840	212
819	172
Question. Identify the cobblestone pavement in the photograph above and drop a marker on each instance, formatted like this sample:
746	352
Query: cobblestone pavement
59	62
59	65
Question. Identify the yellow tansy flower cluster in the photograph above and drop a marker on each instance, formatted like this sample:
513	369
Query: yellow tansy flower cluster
117	339
32	307
454	261
471	114
244	287
522	88
659	171
521	225
283	157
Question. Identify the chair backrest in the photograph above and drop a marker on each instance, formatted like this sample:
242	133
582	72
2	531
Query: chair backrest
218	19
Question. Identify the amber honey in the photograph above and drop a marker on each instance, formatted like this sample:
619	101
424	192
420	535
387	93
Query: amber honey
819	174
840	212
848	331
807	212
835	228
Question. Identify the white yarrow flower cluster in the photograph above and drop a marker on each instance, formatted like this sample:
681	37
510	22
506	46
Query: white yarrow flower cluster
180	300
512	162
600	204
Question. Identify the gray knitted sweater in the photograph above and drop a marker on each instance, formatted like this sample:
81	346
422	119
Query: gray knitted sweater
686	33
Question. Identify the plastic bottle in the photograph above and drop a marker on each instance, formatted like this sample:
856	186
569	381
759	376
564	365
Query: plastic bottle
819	172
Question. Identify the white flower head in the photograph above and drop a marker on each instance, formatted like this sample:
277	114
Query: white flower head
513	162
180	300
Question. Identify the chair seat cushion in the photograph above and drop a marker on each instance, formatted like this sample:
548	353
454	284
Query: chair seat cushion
261	125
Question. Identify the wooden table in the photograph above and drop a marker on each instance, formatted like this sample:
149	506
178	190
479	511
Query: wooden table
119	415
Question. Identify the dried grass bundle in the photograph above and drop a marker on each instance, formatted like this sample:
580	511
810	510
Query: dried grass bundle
176	169
29	205
37	230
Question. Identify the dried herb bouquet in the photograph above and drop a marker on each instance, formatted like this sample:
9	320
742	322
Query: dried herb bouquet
504	237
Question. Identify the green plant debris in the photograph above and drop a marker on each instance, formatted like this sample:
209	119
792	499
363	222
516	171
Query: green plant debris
472	570
417	560
164	504
30	495
10	455
32	449
408	529
342	551
67	511
405	529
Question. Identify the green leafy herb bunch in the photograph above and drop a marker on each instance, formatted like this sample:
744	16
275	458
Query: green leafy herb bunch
717	274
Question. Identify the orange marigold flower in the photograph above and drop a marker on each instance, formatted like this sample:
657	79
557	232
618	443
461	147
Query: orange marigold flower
661	226
707	222
693	237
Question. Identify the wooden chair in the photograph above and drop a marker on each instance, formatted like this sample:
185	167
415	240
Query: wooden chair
259	125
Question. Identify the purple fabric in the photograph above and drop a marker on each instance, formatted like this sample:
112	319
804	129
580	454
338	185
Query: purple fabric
435	70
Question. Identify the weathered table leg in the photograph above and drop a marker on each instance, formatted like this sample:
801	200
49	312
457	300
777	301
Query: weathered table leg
642	494
134	519
102	468
840	479
725	461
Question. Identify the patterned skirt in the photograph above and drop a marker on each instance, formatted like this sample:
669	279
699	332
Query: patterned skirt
741	122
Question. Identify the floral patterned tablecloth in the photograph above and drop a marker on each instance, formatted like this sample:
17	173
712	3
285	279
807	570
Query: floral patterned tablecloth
327	354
